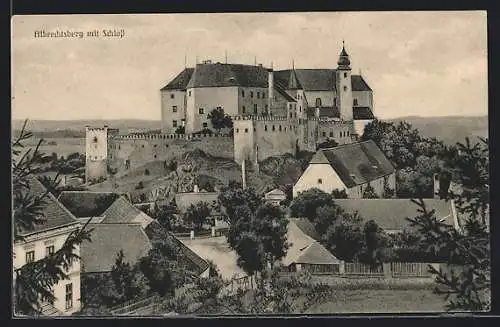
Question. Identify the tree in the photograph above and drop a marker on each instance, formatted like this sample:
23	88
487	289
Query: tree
467	288
180	130
388	191
376	244
306	203
123	276
233	196
34	281
219	119
369	193
342	194
197	215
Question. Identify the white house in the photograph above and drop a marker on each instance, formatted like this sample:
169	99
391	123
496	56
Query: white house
350	167
275	196
45	239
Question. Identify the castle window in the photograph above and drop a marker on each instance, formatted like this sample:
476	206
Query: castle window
279	128
265	128
172	95
174	108
201	111
355	102
347	133
318	102
30	256
340	134
345	75
331	134
95	158
246	130
324	134
251	94
300	108
237	130
189	93
119	147
285	128
243	109
255	108
142	145
267	107
290	115
174	123
335	102
320	181
205	125
295	114
274	128
242	93
345	88
258	95
155	156
94	139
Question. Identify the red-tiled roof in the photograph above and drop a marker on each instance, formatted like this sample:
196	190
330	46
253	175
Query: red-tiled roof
356	163
54	213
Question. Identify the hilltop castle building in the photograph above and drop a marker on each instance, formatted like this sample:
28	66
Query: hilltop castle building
273	112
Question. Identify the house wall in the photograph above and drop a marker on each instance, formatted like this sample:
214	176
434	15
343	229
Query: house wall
377	184
330	180
209	98
249	102
167	113
38	244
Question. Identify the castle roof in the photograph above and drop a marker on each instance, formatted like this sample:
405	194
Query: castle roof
318	79
328	112
122	211
54	213
281	91
356	163
220	75
180	81
362	113
87	203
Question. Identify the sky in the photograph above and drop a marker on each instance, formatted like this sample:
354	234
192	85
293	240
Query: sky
417	63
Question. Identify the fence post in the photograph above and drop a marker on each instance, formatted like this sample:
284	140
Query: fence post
386	266
342	267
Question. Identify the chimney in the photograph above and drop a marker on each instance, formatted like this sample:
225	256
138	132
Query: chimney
196	188
243	174
435	178
270	88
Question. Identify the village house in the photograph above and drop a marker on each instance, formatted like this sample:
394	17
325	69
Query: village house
275	196
391	214
45	239
306	253
350	167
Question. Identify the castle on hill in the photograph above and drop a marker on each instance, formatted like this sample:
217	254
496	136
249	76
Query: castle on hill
273	113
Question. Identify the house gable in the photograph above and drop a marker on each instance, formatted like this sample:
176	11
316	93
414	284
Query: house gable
316	173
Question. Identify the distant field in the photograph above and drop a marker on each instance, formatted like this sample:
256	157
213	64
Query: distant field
381	301
62	146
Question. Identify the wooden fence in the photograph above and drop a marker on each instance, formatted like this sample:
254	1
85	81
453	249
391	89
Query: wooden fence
361	269
410	269
131	306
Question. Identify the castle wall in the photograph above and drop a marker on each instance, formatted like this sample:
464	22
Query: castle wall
209	98
167	111
96	153
246	100
244	141
338	131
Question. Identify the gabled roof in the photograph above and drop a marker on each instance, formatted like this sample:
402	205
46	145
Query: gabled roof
193	261
180	81
99	255
356	163
362	113
281	91
122	211
306	227
54	213
219	75
318	79
304	249
87	203
391	214
275	192
324	112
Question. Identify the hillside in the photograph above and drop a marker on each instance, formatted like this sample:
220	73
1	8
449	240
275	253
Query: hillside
448	129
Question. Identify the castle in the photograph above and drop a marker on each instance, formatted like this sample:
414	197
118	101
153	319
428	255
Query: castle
273	113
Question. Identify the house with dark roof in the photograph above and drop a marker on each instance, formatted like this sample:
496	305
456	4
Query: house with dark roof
305	252
350	167
41	240
391	214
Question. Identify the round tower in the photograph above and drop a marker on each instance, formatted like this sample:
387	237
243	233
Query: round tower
344	85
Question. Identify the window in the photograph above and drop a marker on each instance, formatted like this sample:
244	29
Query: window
243	109
263	95
300	108
345	88
174	123
255	108
258	95
320	181
243	93
331	134
335	102
172	95
279	128
274	128
267	107
318	102
205	125
174	108
251	94
291	115
265	128
246	130
49	250
347	133
30	256
237	130
189	93
183	121
69	296
345	75
355	102
324	134
201	111
340	134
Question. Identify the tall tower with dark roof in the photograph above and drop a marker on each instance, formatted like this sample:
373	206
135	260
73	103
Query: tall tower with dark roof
343	86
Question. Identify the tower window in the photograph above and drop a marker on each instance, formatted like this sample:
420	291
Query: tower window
251	94
265	128
258	95
335	102
320	181
345	88
274	128
355	102
279	128
242	93
201	111
237	130
243	109
246	130
318	102
172	95
345	75
49	250
174	123
94	139
174	108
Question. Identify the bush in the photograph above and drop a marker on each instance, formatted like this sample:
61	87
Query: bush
172	166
